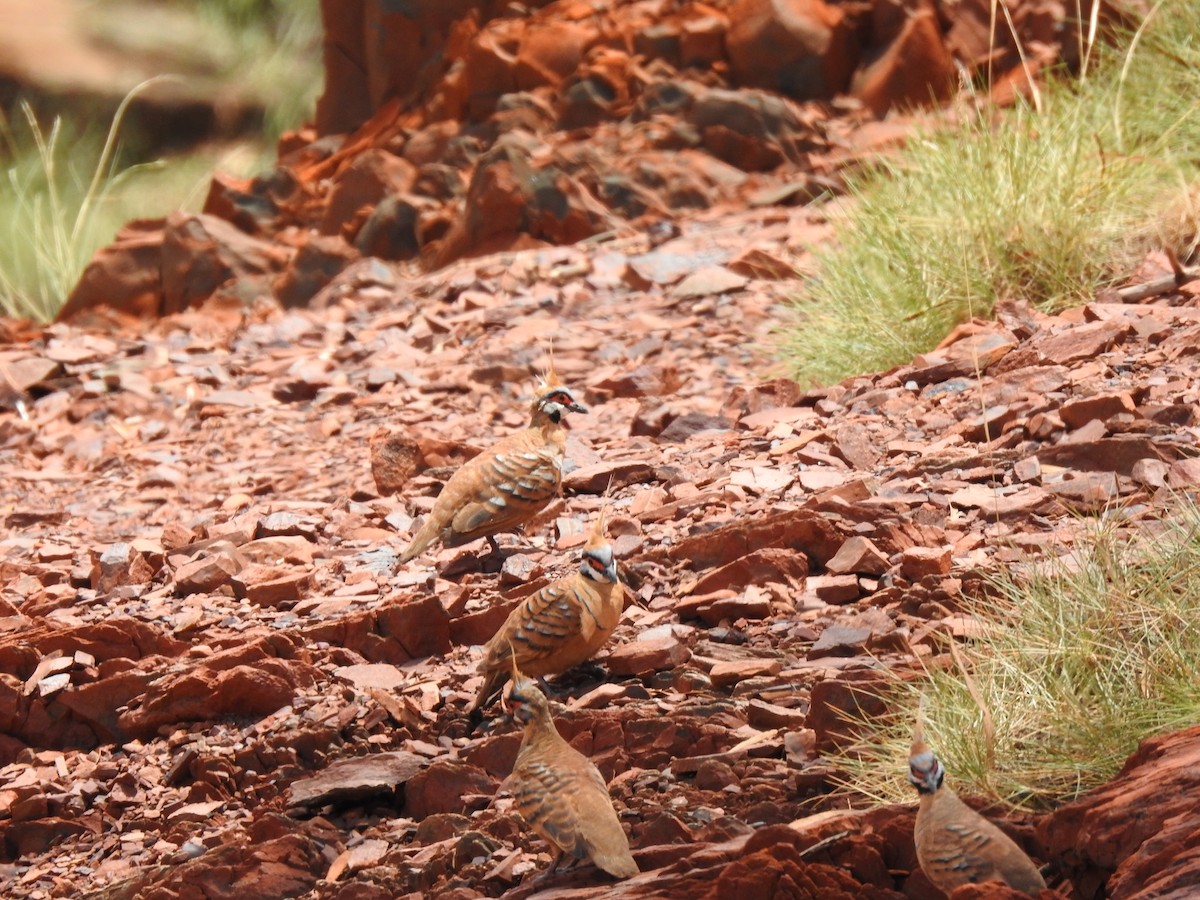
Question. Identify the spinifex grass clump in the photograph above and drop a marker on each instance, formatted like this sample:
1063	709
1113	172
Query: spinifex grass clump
1081	659
1042	203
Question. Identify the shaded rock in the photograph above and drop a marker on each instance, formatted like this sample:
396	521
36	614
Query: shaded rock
752	130
914	70
448	786
393	230
313	266
689	424
204	694
371	176
802	530
201	252
802	48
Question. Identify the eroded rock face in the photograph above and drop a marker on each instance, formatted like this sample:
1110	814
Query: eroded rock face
1136	837
457	129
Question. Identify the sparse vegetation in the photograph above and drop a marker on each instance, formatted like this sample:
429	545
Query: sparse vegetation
1082	658
63	195
1044	202
65	190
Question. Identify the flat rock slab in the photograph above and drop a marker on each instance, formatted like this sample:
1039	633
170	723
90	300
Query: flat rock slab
348	780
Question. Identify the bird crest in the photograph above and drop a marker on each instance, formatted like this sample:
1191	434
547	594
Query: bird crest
549	380
598	538
919	747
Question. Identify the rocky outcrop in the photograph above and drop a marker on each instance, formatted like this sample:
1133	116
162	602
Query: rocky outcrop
460	128
1138	836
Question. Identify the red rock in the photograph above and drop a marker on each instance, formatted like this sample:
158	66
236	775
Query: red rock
400	228
836	702
761	714
1150	472
395	458
201	253
643	657
727	673
490	66
476	628
915	70
918	562
1184	473
371	176
725	605
801	530
282	548
286	866
1088	488
835	589
28	839
758	567
314	265
23	374
258	206
124	276
448	786
713	775
267	585
803	48
1028	469
119	565
1115	454
992	890
419	625
598	91
355	779
858	555
857	445
1142	826
203	695
708	281
753	130
1080	342
207	572
1081	410
372	675
549	51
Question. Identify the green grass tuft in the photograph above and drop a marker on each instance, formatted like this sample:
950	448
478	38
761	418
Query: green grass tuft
1082	658
1042	203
